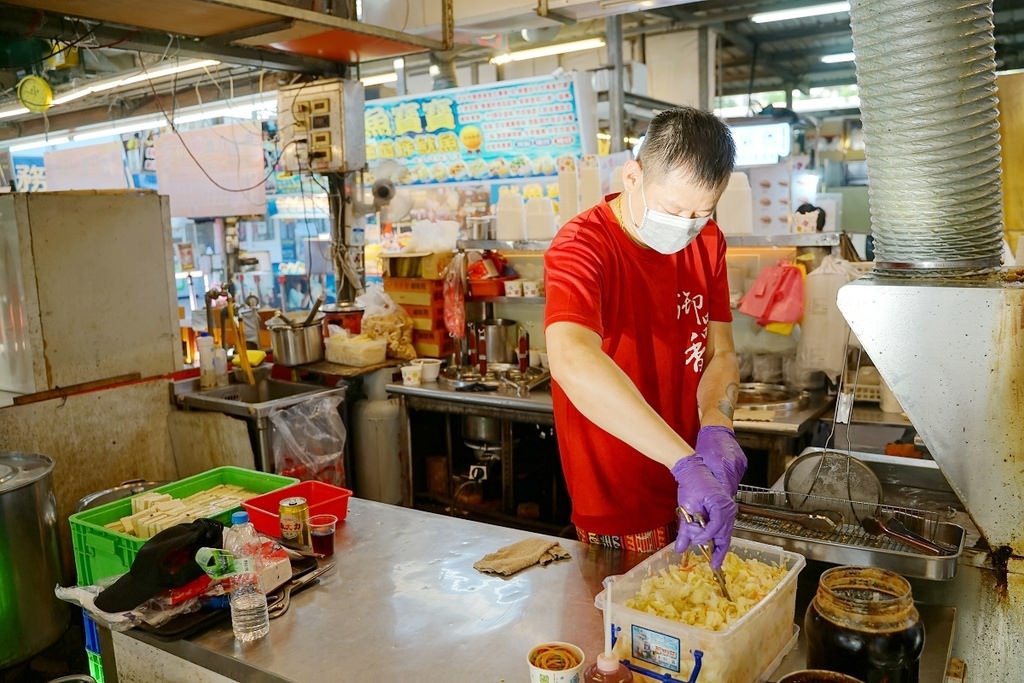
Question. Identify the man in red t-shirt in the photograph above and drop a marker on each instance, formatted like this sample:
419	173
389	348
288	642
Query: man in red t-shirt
639	340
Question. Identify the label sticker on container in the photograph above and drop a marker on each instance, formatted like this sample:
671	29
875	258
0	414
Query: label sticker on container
656	648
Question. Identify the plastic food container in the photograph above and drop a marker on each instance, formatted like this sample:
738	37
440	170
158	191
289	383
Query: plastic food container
746	651
102	552
358	351
322	498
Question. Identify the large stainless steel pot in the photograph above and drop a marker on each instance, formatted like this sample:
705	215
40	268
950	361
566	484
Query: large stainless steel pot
31	617
501	337
477	428
123	490
298	343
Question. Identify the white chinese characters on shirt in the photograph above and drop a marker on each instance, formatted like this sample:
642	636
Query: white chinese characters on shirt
686	305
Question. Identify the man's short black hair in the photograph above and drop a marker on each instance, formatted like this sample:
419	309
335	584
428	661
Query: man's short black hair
692	140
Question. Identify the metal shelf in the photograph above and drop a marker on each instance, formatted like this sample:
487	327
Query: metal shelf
507	245
506	299
812	239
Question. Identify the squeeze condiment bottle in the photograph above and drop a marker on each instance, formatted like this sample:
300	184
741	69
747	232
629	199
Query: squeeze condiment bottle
607	668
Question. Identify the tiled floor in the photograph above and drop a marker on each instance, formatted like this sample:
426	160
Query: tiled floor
66	656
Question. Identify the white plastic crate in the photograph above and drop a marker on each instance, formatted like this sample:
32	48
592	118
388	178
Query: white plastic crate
746	651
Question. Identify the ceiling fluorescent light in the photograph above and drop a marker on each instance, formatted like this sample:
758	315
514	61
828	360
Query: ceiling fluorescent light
152	75
112	131
264	106
839	58
111	84
17	111
380	79
49	142
800	12
549	51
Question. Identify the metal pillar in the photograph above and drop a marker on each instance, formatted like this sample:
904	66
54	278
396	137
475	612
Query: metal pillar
401	87
616	92
703	68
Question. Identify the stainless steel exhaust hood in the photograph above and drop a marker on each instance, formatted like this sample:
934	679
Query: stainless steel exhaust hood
940	321
953	354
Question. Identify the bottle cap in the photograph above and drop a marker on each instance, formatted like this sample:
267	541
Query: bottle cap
607	663
239	517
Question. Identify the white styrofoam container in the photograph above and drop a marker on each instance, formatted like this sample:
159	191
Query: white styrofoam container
740	654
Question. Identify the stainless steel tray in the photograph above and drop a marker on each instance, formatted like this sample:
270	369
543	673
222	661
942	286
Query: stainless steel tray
849	543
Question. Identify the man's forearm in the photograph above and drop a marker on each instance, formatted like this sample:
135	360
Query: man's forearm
718	390
606	396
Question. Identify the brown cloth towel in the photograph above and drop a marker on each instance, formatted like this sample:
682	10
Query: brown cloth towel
518	556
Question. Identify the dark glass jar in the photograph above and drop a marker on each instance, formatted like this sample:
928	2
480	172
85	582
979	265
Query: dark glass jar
862	622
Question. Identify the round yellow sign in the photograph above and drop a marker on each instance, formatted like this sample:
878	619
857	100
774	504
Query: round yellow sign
35	94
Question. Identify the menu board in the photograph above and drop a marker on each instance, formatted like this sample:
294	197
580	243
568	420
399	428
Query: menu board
512	129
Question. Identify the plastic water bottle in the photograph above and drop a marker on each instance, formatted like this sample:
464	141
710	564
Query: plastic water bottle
607	669
249	618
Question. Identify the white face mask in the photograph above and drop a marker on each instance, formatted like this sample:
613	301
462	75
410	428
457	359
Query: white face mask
663	232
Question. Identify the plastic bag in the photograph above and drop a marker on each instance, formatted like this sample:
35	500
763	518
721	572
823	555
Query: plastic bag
309	441
153	612
823	342
777	295
384	319
455	298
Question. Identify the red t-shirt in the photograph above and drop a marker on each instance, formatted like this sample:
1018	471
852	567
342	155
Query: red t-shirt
652	312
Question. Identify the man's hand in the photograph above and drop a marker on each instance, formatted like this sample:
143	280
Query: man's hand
722	454
700	493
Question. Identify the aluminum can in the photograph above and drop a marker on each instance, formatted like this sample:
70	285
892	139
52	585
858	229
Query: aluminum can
294	513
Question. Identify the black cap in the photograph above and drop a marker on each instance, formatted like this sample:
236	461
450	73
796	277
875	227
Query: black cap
168	560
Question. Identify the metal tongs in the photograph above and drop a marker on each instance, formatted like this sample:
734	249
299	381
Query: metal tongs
706	550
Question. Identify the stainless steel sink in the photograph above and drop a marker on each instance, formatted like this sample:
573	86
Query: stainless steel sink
256	400
252	403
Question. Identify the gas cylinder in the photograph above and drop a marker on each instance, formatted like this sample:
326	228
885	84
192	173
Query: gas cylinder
376	441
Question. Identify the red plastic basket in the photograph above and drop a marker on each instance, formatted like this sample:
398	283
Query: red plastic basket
323	499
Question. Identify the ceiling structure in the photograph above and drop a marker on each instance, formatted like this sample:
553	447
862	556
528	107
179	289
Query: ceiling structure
261	44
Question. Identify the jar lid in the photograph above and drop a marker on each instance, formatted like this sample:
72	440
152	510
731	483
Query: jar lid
21	469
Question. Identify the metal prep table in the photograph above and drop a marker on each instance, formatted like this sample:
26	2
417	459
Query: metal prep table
405	603
783	435
432	397
780	436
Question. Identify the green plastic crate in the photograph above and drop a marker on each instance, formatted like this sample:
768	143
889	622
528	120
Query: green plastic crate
100	552
95	666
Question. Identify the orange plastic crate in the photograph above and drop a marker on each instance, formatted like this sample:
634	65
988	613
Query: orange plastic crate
414	291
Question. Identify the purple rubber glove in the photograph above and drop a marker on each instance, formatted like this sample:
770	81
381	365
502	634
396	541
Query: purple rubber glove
722	454
700	493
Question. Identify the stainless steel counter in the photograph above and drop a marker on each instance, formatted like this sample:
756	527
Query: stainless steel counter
538	401
405	603
791	425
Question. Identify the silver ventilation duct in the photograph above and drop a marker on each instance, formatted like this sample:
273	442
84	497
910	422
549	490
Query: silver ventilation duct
926	76
951	347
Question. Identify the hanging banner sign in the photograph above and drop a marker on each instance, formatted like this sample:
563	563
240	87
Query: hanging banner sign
512	129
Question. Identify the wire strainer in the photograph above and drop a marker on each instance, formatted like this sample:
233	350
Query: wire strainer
833	474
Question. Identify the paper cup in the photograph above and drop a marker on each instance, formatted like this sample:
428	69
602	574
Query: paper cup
412	375
531	288
430	368
544	359
534	358
543	675
514	288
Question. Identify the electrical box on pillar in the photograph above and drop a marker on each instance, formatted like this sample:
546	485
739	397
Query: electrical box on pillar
321	126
